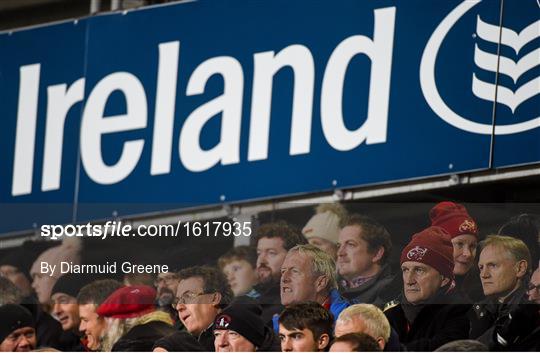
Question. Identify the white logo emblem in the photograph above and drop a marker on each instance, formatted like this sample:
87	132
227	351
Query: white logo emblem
416	253
486	61
507	66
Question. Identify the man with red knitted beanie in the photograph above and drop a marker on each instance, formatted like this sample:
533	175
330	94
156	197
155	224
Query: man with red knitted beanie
463	230
428	313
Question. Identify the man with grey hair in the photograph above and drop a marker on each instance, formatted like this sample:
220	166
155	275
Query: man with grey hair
309	274
364	318
506	314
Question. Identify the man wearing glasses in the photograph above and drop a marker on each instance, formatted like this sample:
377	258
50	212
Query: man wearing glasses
534	287
201	295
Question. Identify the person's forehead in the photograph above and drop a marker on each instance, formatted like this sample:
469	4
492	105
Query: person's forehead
415	264
167	275
236	262
495	253
191	284
285	331
351	232
87	309
296	258
464	238
270	243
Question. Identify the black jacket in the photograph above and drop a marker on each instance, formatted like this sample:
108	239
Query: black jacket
441	321
379	290
270	301
48	330
71	342
183	341
470	287
485	314
141	338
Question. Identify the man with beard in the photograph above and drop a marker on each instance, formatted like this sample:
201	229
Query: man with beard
273	242
90	297
166	284
429	313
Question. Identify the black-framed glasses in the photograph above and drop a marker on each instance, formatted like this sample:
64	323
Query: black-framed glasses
186	298
535	287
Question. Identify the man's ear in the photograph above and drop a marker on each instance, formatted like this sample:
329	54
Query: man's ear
521	268
381	343
216	298
321	283
323	342
378	255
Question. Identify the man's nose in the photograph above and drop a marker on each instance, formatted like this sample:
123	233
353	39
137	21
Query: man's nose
222	340
286	345
408	278
467	252
341	251
285	277
484	273
56	308
262	259
24	342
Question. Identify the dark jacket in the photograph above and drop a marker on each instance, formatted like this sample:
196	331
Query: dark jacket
379	290
442	320
141	338
183	341
485	314
271	342
270	301
470	287
519	330
71	342
48	330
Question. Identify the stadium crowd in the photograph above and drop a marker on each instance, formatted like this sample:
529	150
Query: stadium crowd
329	287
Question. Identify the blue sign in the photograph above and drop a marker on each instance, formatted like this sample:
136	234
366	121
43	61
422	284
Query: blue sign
227	101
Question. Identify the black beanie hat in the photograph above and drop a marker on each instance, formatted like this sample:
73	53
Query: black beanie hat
244	319
69	284
13	317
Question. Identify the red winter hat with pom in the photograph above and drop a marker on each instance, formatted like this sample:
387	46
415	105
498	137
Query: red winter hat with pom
128	302
432	247
454	218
